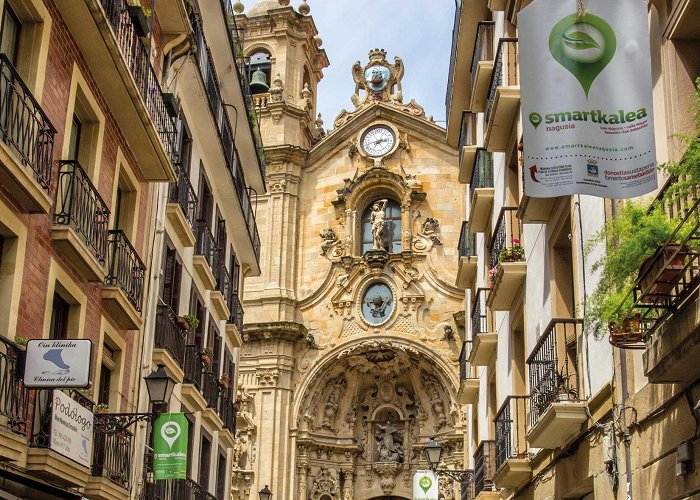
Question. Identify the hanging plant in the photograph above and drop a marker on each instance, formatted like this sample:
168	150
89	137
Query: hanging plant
192	321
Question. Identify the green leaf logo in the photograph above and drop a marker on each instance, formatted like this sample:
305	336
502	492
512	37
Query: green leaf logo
584	46
425	483
535	119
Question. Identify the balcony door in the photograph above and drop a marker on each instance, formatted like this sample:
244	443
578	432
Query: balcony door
10	34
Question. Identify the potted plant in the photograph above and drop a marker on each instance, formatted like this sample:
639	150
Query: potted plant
139	17
189	322
661	272
224	381
20	341
514	253
627	331
101	408
207	355
564	391
493	273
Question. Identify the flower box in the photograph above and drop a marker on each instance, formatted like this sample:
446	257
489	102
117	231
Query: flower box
138	20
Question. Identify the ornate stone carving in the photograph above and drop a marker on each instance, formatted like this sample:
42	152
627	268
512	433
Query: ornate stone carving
378	304
376	259
329	238
389	443
377	220
436	402
348	484
332	404
387	473
325	484
429	230
240	449
277	89
302	472
267	377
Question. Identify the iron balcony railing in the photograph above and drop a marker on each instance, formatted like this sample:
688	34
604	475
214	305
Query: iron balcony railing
175	489
80	206
506	235
505	70
236	310
552	366
484	466
247	207
182	192
223	280
111	456
194	366
206	243
229	415
137	60
511	427
482	175
169	335
483	46
211	390
453	58
479	313
14	397
465	368
125	268
467	241
24	126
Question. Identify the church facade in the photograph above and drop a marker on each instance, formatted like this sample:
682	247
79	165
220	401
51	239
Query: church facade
350	356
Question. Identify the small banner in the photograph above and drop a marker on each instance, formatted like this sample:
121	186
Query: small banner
170	446
425	485
586	99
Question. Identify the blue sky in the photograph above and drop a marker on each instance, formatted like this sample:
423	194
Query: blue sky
418	31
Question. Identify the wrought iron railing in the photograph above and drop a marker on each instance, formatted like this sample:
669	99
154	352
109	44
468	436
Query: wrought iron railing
484	466
482	175
505	70
511	427
465	367
467	241
483	46
194	366
111	456
206	243
211	390
223	280
169	335
479	313
137	60
175	489
236	310
506	236
229	415
182	192
80	206
125	268
246	205
14	397
43	414
552	366
24	126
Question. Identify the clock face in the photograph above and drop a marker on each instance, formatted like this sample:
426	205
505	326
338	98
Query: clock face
378	141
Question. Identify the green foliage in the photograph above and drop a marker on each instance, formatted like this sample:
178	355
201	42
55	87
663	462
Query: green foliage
192	321
20	340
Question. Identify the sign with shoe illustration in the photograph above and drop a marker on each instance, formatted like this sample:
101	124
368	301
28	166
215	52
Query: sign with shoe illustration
58	364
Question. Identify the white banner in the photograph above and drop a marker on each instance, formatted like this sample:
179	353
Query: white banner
586	99
58	363
425	485
71	429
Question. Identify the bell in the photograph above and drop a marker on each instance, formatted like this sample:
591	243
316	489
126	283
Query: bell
258	83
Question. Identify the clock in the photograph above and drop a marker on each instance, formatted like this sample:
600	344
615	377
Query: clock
378	140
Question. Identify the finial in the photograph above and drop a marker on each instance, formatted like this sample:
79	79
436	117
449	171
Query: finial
283	3
304	8
238	7
319	121
318	40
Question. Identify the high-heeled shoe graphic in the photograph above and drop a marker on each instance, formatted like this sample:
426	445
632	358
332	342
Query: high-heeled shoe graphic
54	356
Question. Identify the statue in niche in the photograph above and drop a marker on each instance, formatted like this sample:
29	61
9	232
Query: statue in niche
330	407
377	219
389	443
240	447
435	401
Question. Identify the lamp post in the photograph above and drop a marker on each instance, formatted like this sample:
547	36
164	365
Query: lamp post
265	493
434	452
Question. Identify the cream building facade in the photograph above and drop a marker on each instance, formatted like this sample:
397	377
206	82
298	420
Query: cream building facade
350	352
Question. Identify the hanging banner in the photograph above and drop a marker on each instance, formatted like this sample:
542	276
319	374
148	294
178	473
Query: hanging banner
586	99
425	485
170	446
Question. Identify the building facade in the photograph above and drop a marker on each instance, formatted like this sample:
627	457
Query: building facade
554	410
351	342
130	160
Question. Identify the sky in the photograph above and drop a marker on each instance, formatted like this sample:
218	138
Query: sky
418	31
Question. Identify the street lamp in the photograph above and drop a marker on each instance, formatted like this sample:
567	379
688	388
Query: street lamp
434	452
265	493
159	385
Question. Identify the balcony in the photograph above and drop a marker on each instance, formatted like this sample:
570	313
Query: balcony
212	392
80	222
503	103
483	341
173	16
220	295
205	255
181	209
484	469
111	465
513	467
193	380
14	402
26	150
481	192
469	382
169	342
466	267
467	146
122	293
120	63
175	489
507	260
234	326
556	411
533	210
482	66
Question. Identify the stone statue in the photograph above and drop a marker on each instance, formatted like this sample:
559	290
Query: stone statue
329	238
389	440
330	407
240	446
429	230
378	304
377	219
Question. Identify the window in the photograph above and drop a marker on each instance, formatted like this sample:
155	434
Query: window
216	347
260	63
59	318
84	128
185	146
124	207
206	200
190	443
74	139
9	35
204	462
172	277
221	477
105	378
198	308
392	227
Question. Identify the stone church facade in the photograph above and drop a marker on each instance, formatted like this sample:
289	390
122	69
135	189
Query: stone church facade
350	359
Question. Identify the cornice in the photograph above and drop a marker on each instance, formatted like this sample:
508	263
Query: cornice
285	331
286	153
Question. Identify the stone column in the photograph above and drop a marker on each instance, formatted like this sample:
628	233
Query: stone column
302	475
349	484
